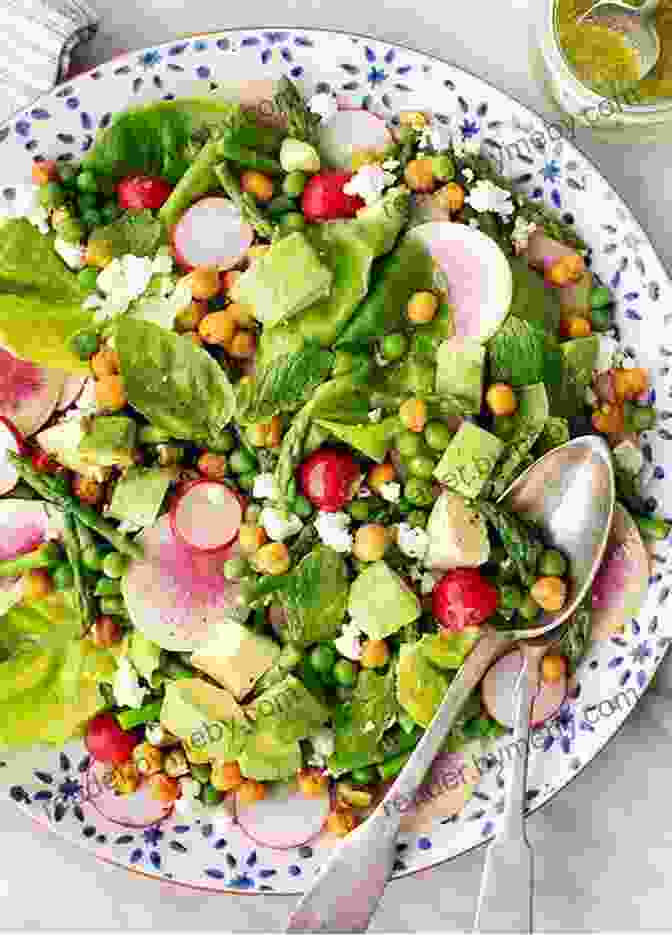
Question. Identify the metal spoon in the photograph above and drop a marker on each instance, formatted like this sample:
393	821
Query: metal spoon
569	494
638	24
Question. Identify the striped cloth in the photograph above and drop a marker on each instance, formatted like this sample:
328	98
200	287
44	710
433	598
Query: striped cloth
37	38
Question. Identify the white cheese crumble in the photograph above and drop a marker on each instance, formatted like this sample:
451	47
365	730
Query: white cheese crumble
265	487
162	264
607	350
332	528
324	104
369	183
412	541
348	644
628	457
323	743
521	233
128	693
123	281
468	175
279	524
486	196
391	491
72	254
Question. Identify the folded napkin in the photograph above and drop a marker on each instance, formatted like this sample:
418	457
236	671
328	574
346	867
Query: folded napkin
37	38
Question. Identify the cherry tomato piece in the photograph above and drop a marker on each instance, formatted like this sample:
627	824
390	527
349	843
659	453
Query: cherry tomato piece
463	598
138	192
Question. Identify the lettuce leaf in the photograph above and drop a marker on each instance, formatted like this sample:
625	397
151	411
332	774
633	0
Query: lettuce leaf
364	720
316	597
29	264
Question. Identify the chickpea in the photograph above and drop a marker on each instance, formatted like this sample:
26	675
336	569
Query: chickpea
99	253
419	175
413	414
226	776
550	593
241	314
229	279
629	384
313	783
190	317
341	821
257	184
609	419
36	584
148	759
273	559
422	308
274	432
88	489
125	778
217	328
553	667
565	270
251	538
243	345
203	282
257	250
250	791
194	337
379	475
163	788
375	654
370	542
106	632
501	400
110	393
450	197
105	363
577	327
212	466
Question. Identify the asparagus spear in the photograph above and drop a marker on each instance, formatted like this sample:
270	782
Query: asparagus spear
85	603
302	124
248	158
246	203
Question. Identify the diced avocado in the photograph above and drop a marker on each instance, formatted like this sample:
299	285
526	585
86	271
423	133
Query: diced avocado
266	758
139	494
579	358
287	279
532	300
420	686
458	535
554	433
449	650
372	439
459	371
236	657
110	442
522	353
62	442
529	421
469	460
208	717
287	710
380	602
380	224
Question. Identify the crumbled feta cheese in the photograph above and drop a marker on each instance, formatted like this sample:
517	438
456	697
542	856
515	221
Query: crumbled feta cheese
521	233
468	175
391	491
369	183
435	136
123	281
162	264
390	165
279	524
26	204
72	254
332	528
265	487
348	644
128	693
189	805
605	355
323	743
375	415
629	457
412	541
138	270
324	104
486	196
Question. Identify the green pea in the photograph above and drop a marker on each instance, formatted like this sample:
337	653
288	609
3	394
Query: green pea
88	277
323	658
601	318
409	444
510	596
92	559
110	212
417	519
437	435
294	183
642	418
67	175
552	563
91	218
226	442
200	772
211	796
242	461
443	168
113	605
235	568
62	576
107	587
115	565
653	527
51	195
345	673
529	609
364	776
70	230
359	510
600	296
85	344
87	181
87	201
421	466
246	480
292	221
302	506
394	346
419	492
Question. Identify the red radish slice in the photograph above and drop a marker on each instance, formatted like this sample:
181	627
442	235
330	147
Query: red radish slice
211	233
207	516
72	390
620	588
138	810
10	440
285	818
498	692
176	595
349	131
28	394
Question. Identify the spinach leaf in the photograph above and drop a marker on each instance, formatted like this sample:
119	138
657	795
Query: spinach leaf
176	385
576	639
316	597
519	538
372	710
139	233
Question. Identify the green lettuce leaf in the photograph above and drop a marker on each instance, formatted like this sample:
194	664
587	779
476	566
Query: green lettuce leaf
522	353
29	264
364	720
316	597
519	538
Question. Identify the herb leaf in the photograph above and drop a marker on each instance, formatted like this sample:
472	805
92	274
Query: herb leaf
522	353
302	123
519	538
317	597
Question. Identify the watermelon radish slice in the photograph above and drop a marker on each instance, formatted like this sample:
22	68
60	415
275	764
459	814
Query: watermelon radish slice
349	131
73	388
480	283
498	692
620	588
211	233
10	440
207	516
28	394
24	525
285	818
137	810
176	595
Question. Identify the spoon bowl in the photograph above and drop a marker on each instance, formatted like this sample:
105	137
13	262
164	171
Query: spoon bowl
637	25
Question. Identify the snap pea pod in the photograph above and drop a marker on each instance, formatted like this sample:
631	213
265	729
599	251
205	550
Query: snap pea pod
247	206
71	543
47	556
199	179
521	543
248	158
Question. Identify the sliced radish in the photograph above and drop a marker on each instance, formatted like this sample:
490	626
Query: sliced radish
10	440
285	818
28	394
621	584
24	525
211	233
498	692
175	595
207	516
480	283
137	810
349	131
73	388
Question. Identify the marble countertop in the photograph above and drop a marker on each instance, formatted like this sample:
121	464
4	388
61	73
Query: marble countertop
602	846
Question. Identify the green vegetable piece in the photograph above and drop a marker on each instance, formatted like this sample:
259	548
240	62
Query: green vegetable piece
137	717
443	168
45	556
391	768
364	776
107	587
447	651
280	205
394	346
459	372
521	354
139	494
370	712
653	527
419	492
110	442
246	203
62	577
136	232
323	658
115	565
114	606
437	435
208	717
579	356
469	460
554	434
532	300
302	123
291	222
381	603
70	230
92	558
316	597
601	296
345	673
88	277
294	184
554	563
601	318
287	710
420	685
373	439
236	657
530	418
519	538
298	156
198	180
209	794
266	758
576	639
248	158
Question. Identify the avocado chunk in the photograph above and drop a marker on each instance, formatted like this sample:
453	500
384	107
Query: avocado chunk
139	494
458	535
62	441
529	422
236	657
287	710
459	371
448	651
208	717
469	460
420	686
109	442
380	603
372	439
269	759
280	284
579	357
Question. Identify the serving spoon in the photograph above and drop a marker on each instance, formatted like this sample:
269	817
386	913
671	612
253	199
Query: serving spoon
638	25
569	495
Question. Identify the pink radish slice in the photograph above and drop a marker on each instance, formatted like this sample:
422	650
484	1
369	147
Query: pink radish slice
138	810
498	690
285	818
24	525
72	390
10	440
211	233
620	588
176	595
28	394
349	131
541	249
207	516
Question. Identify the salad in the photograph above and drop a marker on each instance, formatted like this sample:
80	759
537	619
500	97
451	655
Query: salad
266	375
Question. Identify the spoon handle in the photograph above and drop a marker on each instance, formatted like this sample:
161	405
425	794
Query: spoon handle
349	887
